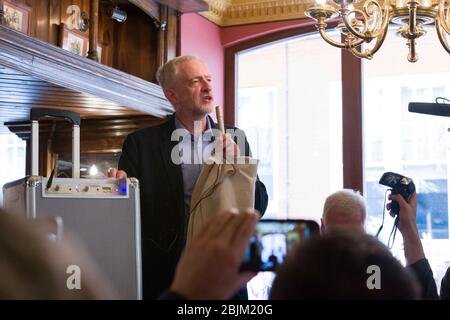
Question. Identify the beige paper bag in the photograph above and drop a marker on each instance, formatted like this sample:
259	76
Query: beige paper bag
220	187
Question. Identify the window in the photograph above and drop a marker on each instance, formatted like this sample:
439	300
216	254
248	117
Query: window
12	160
292	115
415	145
295	104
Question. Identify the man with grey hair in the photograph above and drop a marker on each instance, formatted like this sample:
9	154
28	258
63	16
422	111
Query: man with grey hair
166	184
344	209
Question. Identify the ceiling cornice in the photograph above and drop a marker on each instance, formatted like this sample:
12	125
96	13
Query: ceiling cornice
237	12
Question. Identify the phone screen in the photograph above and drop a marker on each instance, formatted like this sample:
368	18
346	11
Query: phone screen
273	239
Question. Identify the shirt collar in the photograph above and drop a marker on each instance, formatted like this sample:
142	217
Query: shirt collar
206	135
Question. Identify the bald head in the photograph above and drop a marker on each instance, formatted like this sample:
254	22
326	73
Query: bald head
344	209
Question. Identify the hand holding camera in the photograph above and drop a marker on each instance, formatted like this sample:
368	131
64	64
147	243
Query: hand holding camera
403	196
399	185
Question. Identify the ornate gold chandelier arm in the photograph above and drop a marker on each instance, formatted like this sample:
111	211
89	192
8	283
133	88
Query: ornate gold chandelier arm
371	7
321	26
442	37
412	34
442	17
368	53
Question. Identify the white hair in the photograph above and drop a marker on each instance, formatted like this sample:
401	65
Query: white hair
168	72
346	203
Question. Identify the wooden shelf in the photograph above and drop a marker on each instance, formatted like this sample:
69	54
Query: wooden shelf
62	68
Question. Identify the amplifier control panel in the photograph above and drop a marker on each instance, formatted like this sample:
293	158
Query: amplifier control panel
62	187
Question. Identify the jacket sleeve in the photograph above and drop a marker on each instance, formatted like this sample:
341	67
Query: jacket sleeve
128	161
445	286
261	197
424	274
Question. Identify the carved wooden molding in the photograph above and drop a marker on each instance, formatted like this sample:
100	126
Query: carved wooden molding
237	12
55	65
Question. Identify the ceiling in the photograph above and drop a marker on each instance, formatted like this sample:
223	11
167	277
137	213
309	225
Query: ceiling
238	12
231	12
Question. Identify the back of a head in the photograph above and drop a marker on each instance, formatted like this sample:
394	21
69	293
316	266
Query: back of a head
343	265
34	267
344	209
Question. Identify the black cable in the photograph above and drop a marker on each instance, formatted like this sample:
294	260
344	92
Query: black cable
393	232
208	192
50	180
442	100
394	227
384	210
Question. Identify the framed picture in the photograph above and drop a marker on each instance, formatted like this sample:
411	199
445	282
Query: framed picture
17	15
73	40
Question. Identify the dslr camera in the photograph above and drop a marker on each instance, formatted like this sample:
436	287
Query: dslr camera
399	185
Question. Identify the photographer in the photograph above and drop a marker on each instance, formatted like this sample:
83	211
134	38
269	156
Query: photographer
414	253
346	209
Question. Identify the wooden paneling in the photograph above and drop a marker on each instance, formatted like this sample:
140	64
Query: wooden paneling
93	30
54	21
97	136
131	46
150	7
60	67
352	121
19	93
167	36
172	32
161	53
136	43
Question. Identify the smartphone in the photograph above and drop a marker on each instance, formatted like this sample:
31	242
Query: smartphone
272	241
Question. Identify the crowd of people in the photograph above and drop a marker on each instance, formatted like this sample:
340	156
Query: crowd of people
338	264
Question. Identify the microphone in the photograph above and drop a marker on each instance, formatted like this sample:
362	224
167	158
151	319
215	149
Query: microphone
435	109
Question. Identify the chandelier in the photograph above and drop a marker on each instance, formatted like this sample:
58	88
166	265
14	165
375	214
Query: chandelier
358	26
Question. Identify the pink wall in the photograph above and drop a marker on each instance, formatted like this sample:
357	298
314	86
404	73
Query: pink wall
201	38
207	41
233	35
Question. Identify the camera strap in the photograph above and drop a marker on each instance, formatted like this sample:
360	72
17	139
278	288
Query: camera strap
384	210
394	228
393	232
